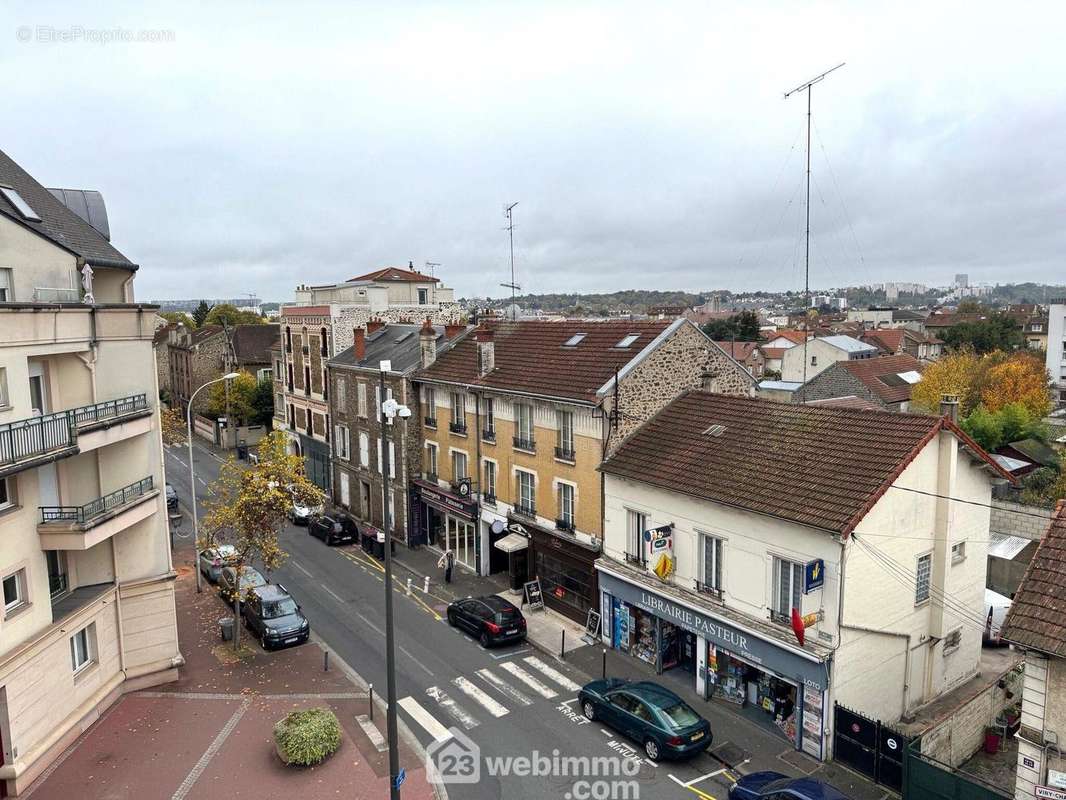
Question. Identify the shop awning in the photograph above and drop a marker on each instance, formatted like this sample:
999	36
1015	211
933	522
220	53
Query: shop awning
512	542
1004	545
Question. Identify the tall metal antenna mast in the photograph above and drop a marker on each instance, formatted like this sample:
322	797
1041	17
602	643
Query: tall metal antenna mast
431	266
807	253
512	285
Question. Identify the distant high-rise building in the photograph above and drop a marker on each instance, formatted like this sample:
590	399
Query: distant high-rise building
962	280
1056	346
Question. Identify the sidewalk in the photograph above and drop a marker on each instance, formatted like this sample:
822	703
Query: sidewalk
210	734
547	630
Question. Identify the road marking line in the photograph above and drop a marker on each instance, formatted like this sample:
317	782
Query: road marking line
372	733
552	673
568	702
304	571
211	752
697	792
472	691
694	781
605	732
410	655
456	711
528	679
425	719
510	654
371	624
503	687
332	594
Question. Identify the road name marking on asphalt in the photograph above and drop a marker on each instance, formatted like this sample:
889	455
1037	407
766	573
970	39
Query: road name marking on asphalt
574	716
333	594
476	694
605	732
300	567
453	709
372	733
425	719
552	673
503	687
211	752
528	679
568	702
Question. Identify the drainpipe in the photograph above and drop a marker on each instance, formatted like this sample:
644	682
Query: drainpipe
475	480
88	360
118	609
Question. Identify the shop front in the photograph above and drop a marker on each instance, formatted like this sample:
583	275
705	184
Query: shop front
566	568
316	463
771	682
446	521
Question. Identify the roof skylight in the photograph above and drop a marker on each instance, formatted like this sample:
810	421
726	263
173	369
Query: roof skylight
574	340
628	340
21	205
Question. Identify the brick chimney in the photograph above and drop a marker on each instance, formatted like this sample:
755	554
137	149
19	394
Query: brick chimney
486	351
359	338
427	340
453	329
374	325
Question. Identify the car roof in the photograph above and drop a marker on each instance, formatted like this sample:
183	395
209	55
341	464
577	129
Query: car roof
497	603
815	789
327	518
271	592
646	690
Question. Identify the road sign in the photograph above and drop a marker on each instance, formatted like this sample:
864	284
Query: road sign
400	778
813	575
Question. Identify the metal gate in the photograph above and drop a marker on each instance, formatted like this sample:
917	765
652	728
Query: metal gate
869	747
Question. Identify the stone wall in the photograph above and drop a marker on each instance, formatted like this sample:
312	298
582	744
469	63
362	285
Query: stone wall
162	368
351	317
1018	519
687	360
834	382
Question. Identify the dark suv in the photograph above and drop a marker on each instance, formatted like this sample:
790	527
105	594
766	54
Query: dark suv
332	530
274	617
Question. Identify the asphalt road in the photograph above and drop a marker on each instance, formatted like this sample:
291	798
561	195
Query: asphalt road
510	702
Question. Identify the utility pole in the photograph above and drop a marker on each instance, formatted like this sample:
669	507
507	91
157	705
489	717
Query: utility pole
807	252
512	285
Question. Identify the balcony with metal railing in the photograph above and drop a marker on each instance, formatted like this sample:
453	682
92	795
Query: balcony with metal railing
107	411
83	526
28	443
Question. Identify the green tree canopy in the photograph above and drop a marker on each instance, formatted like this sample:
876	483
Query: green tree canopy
998	332
201	312
231	315
242	399
742	327
178	316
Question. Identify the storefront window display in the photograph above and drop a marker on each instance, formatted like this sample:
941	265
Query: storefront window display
567	584
737	682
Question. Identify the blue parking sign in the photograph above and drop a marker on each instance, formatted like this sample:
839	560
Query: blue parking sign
813	575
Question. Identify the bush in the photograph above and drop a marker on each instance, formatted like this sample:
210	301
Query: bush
308	737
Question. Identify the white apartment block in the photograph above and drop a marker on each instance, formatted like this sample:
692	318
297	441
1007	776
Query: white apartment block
88	584
1056	347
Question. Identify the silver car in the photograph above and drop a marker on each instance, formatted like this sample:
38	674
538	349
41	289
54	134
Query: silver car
213	559
251	578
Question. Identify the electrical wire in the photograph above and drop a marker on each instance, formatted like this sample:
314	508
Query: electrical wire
967	502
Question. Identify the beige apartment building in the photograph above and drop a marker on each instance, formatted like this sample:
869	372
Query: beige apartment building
88	584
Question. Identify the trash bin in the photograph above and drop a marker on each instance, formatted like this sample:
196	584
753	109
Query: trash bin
366	541
225	626
242	449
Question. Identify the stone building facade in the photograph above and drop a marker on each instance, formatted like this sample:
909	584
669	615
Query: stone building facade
196	357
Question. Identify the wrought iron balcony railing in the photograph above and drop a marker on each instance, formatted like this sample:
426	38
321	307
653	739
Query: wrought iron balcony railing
99	506
110	409
37	436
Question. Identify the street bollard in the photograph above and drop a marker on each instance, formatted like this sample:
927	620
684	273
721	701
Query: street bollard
325	660
605	663
425	587
562	647
371	702
408	587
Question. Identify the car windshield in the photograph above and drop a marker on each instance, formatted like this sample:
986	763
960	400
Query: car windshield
252	579
272	609
227	551
773	786
680	715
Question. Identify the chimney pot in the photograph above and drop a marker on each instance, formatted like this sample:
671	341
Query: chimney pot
427	342
484	342
374	325
949	406
360	344
453	329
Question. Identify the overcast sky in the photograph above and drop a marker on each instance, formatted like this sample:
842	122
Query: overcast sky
648	145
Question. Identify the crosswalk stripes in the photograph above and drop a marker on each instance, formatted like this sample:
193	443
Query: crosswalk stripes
528	679
503	687
425	719
552	673
456	711
476	694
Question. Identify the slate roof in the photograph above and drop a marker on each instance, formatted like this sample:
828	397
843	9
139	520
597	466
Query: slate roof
530	356
1037	617
880	375
395	274
397	343
252	343
57	223
817	466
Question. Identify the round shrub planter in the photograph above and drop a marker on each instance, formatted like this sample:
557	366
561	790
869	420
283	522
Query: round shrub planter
308	737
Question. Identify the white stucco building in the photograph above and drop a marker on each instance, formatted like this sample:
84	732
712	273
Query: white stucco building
820	353
1056	346
88	584
724	514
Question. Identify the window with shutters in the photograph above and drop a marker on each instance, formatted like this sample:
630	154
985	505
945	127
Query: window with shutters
636	524
342	441
788	589
346	498
360	399
710	579
364	450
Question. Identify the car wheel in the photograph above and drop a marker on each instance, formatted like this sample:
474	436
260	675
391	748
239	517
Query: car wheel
263	640
451	618
589	710
484	639
651	747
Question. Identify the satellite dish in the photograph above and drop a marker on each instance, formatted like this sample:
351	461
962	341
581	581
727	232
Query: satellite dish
498	526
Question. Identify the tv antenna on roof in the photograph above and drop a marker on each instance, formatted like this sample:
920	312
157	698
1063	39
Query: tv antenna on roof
431	265
507	212
807	253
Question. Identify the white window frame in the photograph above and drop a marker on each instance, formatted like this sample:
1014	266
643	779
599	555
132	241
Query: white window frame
433	459
360	399
958	552
364	450
346	489
429	399
490	415
490	472
562	489
921	597
532	480
636	524
565	423
392	458
458	409
342	440
7	285
455	457
342	392
83	648
523	420
8	494
795	586
5	398
712	583
21	599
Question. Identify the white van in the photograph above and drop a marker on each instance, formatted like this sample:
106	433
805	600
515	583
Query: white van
996	608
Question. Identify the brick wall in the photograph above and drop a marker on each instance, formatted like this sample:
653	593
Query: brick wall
1018	519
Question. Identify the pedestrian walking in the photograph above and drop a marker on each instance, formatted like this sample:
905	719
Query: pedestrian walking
447	561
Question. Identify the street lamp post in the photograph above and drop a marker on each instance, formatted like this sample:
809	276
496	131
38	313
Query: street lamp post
390	409
192	477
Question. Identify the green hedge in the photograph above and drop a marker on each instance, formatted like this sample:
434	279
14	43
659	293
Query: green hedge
307	737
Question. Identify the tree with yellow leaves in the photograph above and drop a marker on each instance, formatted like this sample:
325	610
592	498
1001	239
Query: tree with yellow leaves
1020	378
173	426
953	374
994	381
248	505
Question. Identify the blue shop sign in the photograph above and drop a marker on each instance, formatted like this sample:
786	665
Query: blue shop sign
813	575
747	646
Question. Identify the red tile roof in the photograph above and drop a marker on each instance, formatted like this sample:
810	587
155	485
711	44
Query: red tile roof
774	352
887	339
1037	617
793	336
396	274
871	371
851	401
824	467
305	311
739	351
530	357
